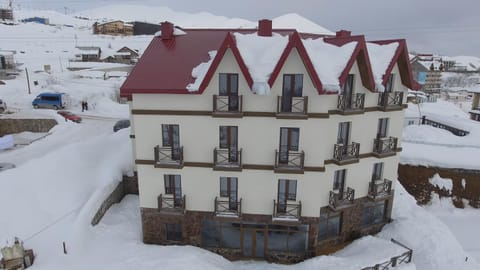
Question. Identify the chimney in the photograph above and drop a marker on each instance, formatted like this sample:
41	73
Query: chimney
265	28
167	30
343	34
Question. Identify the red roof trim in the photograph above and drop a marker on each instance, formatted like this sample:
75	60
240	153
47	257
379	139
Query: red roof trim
401	57
295	41
228	43
360	54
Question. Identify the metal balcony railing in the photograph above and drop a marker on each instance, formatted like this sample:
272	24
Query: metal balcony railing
292	105
379	189
346	152
168	156
227	158
227	104
287	210
289	160
385	145
226	207
353	102
339	200
171	203
390	99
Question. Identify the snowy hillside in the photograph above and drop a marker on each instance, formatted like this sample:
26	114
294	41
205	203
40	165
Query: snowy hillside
60	180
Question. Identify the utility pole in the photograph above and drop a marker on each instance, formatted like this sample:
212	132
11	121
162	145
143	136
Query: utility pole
28	81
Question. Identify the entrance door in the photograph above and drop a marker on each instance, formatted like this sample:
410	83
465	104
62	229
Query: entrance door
289	138
254	242
292	87
229	88
229	140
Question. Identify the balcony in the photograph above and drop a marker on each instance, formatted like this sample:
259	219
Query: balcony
378	190
168	157
226	208
289	161
390	100
227	159
341	200
171	204
227	106
345	154
287	211
384	147
351	104
292	107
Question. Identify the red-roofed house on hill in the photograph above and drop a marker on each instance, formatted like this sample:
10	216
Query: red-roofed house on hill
266	143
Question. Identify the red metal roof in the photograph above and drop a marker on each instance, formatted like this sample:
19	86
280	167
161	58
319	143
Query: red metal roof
166	66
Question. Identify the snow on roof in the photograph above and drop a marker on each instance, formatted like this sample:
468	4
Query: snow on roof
176	32
474	88
200	71
261	55
380	58
329	60
303	25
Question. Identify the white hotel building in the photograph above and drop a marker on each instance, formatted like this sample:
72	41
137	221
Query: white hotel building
266	143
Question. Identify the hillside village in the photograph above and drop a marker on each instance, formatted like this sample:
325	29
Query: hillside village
391	122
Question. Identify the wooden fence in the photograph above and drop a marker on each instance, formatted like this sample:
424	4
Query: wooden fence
403	258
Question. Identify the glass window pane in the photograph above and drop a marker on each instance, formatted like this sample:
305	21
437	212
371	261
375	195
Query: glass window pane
223	137
230	236
297	240
233	84
298	85
223	84
210	234
292	190
223	187
295	133
277	240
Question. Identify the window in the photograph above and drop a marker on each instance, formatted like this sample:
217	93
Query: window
228	84
174	232
377	171
292	85
170	136
373	213
330	224
172	184
382	127
389	85
339	180
343	133
287	190
220	234
228	137
411	122
228	186
348	86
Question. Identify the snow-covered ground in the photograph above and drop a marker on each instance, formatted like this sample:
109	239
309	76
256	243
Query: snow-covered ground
61	179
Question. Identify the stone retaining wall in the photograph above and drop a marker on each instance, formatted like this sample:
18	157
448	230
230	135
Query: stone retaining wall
11	126
128	185
415	179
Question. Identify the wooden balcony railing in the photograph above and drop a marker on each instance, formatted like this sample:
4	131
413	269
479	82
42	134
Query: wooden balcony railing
340	200
379	189
289	160
346	152
287	210
168	156
355	102
225	207
454	130
171	203
385	146
404	258
227	104
292	106
388	100
227	158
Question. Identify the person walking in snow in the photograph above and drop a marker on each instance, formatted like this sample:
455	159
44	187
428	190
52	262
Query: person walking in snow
83	105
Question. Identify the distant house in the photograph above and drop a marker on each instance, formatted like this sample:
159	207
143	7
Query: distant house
7	64
144	28
6	14
475	111
427	70
88	54
37	20
124	55
113	28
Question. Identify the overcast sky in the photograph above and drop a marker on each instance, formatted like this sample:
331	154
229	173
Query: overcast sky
446	27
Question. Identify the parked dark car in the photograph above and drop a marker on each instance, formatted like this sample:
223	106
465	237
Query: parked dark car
124	123
70	116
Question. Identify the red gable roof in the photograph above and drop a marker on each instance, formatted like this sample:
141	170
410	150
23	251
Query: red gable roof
402	59
167	64
360	54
